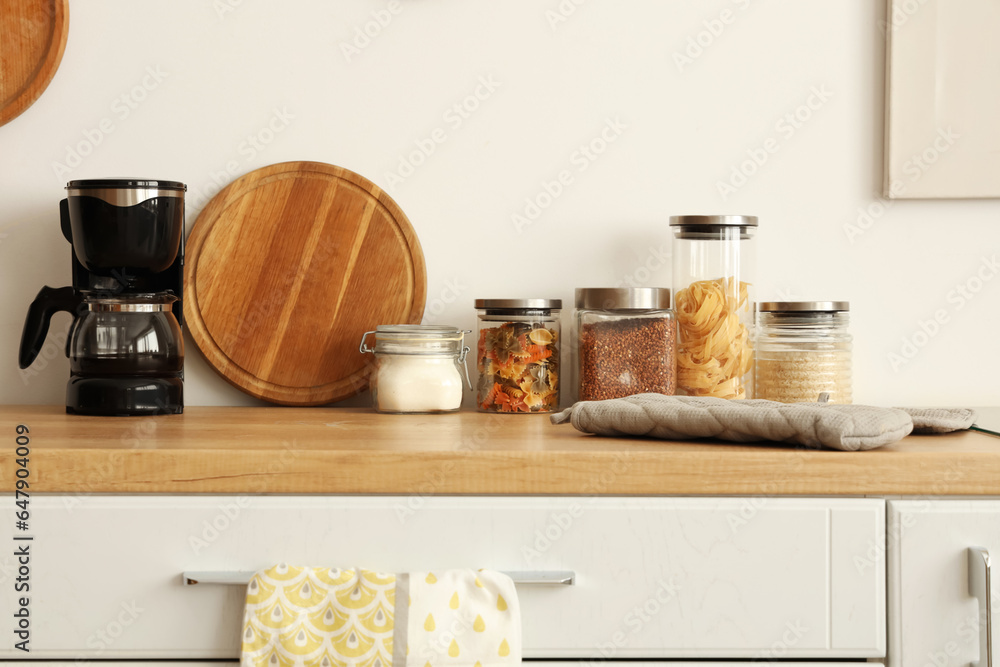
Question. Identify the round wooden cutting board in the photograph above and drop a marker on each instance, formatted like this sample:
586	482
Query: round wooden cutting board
287	267
32	40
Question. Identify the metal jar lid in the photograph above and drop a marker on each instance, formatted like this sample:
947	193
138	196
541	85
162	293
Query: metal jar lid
803	306
623	298
519	304
713	220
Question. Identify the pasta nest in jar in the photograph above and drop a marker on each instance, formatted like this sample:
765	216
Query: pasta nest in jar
715	351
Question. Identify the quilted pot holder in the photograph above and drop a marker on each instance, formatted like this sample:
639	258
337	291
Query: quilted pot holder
848	428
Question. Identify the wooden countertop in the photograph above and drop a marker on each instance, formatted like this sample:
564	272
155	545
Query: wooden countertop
339	450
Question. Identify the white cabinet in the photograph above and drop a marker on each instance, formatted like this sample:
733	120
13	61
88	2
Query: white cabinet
936	620
705	578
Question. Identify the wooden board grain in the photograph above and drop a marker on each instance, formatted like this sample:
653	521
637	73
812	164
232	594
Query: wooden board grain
287	267
350	450
32	40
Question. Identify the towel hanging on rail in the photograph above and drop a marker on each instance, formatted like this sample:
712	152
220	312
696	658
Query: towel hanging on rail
330	617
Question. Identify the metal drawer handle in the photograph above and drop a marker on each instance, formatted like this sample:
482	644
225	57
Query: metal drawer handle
523	578
979	587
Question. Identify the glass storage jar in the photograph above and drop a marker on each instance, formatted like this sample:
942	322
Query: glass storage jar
418	368
518	355
626	342
803	350
713	272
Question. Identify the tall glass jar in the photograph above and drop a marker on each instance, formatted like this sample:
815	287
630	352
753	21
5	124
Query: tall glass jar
626	342
803	350
518	355
418	368
713	271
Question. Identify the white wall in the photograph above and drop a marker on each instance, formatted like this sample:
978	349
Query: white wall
559	83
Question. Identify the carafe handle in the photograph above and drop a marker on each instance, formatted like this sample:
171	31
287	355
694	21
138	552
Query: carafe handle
49	301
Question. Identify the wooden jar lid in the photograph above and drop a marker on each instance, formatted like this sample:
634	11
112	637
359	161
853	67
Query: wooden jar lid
287	267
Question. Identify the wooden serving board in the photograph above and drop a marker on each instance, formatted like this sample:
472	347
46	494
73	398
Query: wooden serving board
287	267
32	40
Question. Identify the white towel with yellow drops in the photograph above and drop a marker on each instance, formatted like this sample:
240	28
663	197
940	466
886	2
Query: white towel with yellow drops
328	617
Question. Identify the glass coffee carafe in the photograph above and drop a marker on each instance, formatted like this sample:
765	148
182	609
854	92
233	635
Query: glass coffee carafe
129	348
134	335
126	352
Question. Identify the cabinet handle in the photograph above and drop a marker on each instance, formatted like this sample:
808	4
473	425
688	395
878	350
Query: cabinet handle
979	587
521	578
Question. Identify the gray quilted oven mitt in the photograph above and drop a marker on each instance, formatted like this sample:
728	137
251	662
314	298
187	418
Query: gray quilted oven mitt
849	428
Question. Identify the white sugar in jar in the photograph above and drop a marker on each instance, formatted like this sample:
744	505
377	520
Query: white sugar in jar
418	368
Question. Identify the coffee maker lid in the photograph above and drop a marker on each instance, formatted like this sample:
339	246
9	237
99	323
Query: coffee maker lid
125	184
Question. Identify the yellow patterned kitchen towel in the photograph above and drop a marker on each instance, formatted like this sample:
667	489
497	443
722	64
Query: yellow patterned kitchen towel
329	617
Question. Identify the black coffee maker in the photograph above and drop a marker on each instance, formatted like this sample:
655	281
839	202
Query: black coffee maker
125	346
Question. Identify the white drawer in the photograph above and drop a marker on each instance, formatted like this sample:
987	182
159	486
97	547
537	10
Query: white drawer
656	577
936	620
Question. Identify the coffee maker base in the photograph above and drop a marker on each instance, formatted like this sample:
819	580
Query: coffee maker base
124	396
